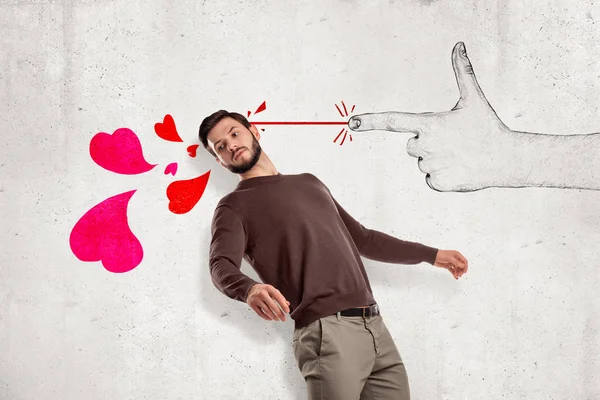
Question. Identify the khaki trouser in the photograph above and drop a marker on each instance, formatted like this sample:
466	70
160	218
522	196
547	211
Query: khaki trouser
347	358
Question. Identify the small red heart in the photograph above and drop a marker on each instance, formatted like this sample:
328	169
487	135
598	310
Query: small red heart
167	130
192	150
183	195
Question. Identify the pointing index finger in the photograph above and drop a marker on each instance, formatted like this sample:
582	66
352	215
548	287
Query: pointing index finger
394	121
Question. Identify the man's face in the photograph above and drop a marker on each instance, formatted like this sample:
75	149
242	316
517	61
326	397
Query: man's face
236	147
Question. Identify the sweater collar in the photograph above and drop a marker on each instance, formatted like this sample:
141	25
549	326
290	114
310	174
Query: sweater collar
252	182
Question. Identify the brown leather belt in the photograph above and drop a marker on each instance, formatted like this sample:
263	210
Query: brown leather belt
370	311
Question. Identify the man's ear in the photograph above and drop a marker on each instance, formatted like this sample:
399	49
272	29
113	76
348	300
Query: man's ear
255	132
219	161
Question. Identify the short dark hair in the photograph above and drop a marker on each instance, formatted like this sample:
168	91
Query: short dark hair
213	119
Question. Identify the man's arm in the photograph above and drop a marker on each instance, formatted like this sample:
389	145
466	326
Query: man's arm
226	251
382	247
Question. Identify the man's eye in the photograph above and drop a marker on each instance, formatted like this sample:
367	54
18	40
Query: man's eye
235	133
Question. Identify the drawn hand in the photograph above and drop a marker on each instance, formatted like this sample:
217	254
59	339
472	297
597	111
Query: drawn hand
453	261
458	150
267	302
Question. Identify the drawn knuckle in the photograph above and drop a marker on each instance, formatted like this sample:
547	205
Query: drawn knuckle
412	147
390	121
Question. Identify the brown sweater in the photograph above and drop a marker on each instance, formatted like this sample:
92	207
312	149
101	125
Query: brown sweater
297	238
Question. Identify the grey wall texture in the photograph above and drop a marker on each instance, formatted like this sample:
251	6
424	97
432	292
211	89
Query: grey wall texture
523	323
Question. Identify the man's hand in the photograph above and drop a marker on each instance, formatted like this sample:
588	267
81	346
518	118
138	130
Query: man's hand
268	302
453	261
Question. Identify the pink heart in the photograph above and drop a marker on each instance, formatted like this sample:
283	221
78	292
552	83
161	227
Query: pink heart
120	152
171	169
103	234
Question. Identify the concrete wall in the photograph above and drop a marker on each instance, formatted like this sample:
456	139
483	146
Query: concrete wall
522	324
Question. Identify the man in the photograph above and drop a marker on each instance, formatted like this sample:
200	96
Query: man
306	249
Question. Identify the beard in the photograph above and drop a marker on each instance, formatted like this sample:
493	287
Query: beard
245	167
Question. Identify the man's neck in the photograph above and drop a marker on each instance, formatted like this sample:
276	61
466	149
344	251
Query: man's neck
264	167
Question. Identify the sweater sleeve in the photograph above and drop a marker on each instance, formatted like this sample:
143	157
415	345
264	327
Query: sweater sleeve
382	247
227	248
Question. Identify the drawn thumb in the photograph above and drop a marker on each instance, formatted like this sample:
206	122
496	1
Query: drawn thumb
465	76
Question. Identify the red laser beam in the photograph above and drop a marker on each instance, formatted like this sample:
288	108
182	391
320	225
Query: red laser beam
300	123
345	113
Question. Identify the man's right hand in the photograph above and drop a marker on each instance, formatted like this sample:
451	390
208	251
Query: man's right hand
268	302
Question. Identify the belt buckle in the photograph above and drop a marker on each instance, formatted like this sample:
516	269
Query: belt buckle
364	312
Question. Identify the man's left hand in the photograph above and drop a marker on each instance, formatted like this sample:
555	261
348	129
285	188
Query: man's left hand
453	261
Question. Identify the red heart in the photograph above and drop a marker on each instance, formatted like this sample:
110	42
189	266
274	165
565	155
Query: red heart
183	195
192	150
167	130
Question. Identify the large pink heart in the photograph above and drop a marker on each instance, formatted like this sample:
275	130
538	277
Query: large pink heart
103	234
120	152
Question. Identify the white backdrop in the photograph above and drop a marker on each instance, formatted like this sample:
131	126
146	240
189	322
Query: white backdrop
522	324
